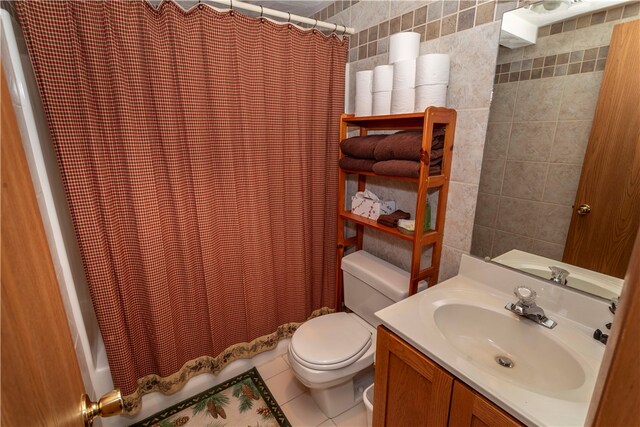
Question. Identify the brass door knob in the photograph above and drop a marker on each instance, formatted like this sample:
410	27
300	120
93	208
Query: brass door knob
584	209
109	405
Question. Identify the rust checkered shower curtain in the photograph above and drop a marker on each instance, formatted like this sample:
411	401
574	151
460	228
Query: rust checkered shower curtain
198	154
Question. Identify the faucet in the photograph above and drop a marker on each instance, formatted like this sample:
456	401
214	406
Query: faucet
558	275
526	307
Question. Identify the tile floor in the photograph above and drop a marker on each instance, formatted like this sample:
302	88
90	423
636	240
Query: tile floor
296	402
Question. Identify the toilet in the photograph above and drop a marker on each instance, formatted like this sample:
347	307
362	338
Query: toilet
333	354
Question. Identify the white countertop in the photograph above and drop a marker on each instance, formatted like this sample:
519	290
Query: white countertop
488	286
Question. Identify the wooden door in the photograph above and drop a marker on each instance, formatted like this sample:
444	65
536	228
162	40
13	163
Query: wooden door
468	408
41	382
410	390
602	239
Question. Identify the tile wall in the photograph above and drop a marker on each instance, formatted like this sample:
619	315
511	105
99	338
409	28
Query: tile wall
544	100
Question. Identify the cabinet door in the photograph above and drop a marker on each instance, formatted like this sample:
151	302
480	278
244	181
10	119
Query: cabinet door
468	408
410	390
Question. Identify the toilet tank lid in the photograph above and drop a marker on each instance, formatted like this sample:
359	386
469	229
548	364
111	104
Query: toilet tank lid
385	277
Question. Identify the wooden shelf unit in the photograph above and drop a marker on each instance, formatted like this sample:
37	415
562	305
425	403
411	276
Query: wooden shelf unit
433	116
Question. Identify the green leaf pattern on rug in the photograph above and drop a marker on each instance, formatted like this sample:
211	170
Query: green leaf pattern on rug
246	392
214	405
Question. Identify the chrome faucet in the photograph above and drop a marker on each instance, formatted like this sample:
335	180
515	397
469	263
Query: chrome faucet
558	275
527	307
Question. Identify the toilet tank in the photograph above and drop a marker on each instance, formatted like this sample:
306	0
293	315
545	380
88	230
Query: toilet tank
371	284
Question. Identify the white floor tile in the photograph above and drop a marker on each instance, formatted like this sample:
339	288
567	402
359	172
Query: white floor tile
285	357
354	417
272	368
303	411
284	387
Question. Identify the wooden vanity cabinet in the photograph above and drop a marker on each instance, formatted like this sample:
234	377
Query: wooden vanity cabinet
412	390
469	408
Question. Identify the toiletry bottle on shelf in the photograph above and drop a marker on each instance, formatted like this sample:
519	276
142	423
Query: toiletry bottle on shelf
427	217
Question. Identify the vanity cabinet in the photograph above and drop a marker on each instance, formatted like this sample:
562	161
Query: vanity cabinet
412	390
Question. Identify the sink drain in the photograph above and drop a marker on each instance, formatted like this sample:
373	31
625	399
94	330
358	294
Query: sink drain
504	361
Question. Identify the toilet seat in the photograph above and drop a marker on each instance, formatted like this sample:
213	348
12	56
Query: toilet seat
330	342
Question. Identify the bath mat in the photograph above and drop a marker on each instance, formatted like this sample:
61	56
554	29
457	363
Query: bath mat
242	401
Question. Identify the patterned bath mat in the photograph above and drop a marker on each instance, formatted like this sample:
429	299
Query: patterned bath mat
242	401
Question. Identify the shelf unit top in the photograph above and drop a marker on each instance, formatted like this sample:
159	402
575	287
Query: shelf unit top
394	121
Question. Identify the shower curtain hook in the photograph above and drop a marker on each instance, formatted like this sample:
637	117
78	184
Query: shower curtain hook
289	20
261	11
344	30
231	4
314	24
336	28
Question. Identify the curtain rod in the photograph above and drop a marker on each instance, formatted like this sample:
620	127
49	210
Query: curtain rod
236	4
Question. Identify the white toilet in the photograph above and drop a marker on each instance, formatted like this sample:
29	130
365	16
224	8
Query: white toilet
333	354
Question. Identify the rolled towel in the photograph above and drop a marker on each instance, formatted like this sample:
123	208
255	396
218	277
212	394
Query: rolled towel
408	168
437	143
435	170
391	220
361	147
436	155
354	164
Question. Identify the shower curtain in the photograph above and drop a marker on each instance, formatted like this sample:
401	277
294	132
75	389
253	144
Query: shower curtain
198	152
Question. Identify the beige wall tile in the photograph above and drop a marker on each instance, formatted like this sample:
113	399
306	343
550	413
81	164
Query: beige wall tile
538	100
524	180
366	13
469	145
504	242
492	175
562	183
531	141
570	142
546	249
518	216
503	102
487	209
497	141
461	206
553	223
397	8
450	263
580	96
482	241
551	45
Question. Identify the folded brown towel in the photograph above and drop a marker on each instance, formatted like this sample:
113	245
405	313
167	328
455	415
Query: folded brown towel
351	163
391	220
436	155
406	145
404	168
397	168
361	147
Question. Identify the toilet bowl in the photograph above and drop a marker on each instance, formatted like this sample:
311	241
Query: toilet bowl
333	355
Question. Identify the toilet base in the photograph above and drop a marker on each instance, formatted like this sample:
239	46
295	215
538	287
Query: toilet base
335	400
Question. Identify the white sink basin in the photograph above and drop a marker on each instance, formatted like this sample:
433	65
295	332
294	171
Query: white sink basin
462	325
484	337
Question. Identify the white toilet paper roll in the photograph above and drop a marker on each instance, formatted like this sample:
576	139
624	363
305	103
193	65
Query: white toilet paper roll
430	95
432	69
402	100
404	74
382	78
381	103
403	46
364	100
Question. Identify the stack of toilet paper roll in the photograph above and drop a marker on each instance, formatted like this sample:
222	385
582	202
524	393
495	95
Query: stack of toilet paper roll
404	48
364	99
382	86
432	79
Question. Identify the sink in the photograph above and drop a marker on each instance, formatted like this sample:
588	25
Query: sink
541	376
517	350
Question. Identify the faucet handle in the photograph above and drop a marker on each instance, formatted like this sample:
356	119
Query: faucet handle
558	275
525	294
